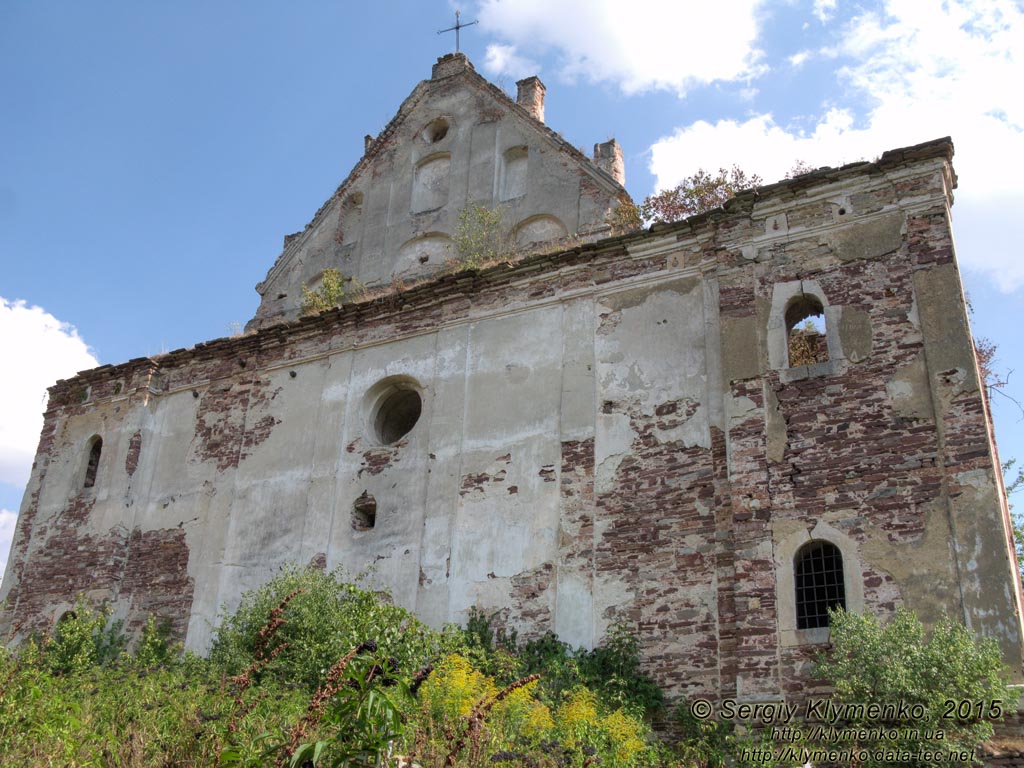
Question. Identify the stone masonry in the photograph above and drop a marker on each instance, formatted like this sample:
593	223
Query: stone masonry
605	429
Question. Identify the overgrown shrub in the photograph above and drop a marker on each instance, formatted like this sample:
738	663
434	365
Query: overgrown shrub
334	290
898	662
313	671
465	718
83	638
611	670
325	618
480	237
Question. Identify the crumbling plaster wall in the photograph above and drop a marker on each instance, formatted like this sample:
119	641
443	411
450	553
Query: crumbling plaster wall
606	436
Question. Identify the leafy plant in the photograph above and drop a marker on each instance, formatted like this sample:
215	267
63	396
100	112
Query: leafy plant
696	194
83	638
480	237
897	662
351	704
325	618
334	290
625	218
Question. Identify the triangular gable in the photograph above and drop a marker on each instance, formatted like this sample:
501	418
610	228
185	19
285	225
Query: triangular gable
455	139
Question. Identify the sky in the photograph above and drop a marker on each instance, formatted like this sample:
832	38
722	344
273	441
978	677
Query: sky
154	155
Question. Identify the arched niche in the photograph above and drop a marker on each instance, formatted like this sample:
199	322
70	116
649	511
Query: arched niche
540	229
513	173
430	183
350	219
423	254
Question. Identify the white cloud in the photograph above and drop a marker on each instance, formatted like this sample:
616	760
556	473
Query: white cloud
797	59
38	349
944	69
758	145
640	46
825	10
505	60
8	520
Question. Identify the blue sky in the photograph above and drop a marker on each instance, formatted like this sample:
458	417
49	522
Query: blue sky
153	155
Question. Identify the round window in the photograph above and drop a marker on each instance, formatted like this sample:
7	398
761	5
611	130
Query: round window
435	131
396	409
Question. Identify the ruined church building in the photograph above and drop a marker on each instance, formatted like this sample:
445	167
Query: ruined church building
604	428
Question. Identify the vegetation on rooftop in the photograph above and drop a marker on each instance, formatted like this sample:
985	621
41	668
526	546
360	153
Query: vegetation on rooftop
480	238
333	290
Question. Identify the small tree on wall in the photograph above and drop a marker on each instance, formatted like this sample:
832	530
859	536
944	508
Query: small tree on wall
334	290
699	193
480	237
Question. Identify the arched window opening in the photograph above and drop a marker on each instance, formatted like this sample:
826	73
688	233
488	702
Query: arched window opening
818	573
94	462
806	336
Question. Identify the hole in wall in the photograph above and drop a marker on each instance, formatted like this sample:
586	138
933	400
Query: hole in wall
93	465
806	334
397	414
364	512
435	131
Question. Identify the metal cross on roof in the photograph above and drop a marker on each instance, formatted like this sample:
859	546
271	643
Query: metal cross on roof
457	27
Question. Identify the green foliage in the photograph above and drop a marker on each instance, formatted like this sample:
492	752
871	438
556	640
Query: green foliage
696	194
612	670
334	290
1014	483
314	671
625	218
83	638
704	743
57	709
897	662
465	719
324	619
480	238
154	646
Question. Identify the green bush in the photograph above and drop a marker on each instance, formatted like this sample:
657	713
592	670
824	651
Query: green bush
325	618
898	662
480	238
312	670
334	290
84	637
611	670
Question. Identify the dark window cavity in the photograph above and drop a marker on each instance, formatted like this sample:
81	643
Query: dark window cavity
364	512
818	571
95	448
397	414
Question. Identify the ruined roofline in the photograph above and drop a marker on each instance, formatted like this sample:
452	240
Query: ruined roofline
893	158
294	241
238	349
